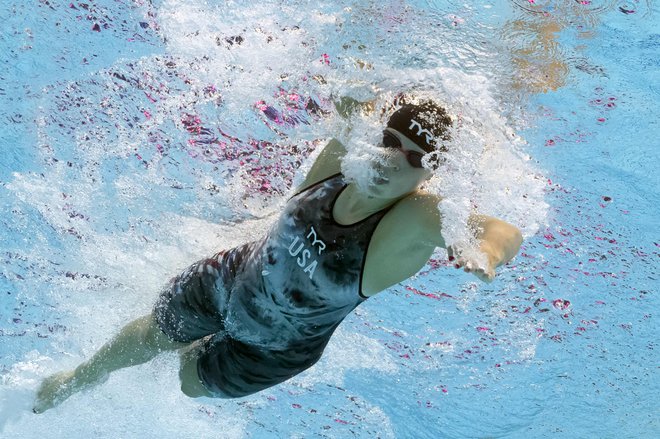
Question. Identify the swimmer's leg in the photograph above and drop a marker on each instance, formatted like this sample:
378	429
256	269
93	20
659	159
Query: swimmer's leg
138	342
191	384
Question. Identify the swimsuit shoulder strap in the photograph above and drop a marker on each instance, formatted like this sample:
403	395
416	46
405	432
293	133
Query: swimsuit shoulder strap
300	190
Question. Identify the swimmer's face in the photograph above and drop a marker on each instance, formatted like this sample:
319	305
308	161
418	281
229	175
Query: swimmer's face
402	172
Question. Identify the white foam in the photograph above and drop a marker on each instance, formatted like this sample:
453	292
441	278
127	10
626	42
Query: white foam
486	169
349	351
18	387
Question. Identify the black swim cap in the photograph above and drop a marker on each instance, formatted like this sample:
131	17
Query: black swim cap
423	123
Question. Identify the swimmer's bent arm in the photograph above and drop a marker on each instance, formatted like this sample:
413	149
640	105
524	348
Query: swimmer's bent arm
498	240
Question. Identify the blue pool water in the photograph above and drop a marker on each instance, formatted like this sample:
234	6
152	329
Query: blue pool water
138	136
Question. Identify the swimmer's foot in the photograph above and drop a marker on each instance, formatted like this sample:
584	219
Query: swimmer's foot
55	389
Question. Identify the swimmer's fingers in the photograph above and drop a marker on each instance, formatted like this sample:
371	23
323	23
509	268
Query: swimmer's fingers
485	274
469	266
452	253
461	262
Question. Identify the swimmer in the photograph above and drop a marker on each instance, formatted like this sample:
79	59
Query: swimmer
253	316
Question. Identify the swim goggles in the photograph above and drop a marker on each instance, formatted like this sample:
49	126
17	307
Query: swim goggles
414	157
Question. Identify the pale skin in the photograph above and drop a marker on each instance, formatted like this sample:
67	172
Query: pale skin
401	245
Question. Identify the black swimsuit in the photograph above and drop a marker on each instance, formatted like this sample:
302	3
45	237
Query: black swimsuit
270	306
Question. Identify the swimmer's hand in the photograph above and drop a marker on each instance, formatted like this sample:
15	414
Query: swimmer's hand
485	271
498	241
346	106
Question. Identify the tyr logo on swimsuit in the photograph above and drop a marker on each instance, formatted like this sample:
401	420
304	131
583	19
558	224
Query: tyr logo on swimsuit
306	253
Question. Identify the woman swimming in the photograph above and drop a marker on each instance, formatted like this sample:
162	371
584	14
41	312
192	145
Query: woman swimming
253	316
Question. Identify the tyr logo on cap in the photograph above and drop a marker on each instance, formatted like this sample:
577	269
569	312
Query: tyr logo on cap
423	123
421	131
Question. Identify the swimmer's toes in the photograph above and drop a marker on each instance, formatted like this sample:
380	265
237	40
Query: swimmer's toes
52	391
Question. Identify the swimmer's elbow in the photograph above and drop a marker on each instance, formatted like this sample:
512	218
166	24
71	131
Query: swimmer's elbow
513	244
516	240
519	239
